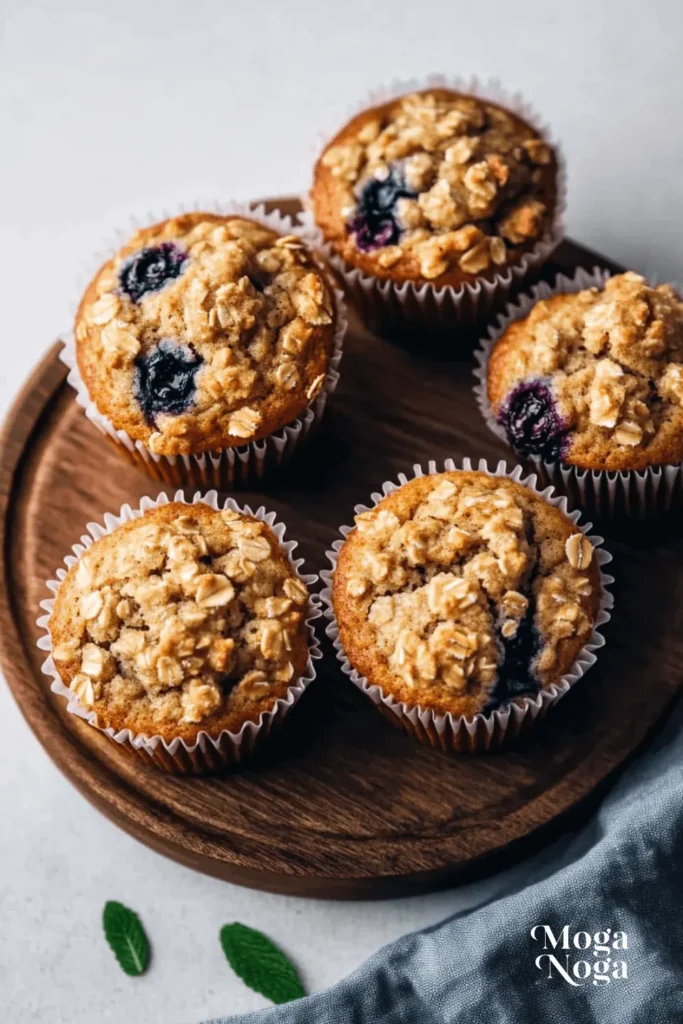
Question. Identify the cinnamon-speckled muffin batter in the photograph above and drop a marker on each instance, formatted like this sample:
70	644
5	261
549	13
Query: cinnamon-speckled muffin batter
435	186
205	332
594	378
186	620
460	592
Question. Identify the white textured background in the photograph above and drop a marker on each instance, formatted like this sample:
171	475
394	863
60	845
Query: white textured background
107	109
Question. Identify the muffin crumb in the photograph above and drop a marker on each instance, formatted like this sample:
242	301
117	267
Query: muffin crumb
594	377
461	591
435	185
205	332
169	622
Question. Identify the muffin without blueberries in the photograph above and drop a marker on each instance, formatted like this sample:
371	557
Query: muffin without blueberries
461	592
594	378
183	621
205	332
436	186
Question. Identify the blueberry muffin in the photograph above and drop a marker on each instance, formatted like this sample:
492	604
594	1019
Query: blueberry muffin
594	378
461	592
184	621
205	332
435	186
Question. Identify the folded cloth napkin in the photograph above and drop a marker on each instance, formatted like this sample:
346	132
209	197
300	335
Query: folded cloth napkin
623	871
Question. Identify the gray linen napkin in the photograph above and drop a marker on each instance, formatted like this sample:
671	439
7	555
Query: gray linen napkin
623	871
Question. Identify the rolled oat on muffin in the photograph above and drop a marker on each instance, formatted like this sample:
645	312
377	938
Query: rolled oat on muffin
184	622
436	186
462	593
205	333
593	378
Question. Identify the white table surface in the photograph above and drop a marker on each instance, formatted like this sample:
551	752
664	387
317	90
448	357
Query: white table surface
109	109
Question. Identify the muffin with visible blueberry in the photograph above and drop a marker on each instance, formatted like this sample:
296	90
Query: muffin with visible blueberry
205	333
461	593
184	622
594	379
437	187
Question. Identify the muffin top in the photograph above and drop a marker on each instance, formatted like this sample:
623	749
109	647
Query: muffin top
460	592
436	186
182	621
594	378
205	332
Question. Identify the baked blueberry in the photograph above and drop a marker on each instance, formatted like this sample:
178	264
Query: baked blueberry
374	223
165	379
150	269
532	422
515	678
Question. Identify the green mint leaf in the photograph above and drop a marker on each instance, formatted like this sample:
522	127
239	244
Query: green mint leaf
260	964
126	937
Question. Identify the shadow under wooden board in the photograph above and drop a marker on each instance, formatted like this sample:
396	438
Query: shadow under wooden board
341	804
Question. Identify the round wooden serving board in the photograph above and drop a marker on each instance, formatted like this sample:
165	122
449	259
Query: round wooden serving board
341	804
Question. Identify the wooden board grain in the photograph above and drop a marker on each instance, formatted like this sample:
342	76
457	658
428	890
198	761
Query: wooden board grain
340	804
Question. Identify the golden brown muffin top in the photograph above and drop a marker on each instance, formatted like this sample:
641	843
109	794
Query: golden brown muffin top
185	619
436	185
461	591
595	378
205	332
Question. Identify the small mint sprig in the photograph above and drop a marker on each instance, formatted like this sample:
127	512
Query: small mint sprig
260	964
126	936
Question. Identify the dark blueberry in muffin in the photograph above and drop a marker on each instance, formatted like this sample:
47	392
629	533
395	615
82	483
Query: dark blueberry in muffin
256	283
150	269
532	422
374	223
165	379
515	678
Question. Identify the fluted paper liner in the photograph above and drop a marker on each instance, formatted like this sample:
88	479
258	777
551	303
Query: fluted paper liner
414	306
242	465
481	733
602	494
207	753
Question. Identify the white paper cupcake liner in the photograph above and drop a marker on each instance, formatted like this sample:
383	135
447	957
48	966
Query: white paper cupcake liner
241	466
207	753
480	733
409	307
636	494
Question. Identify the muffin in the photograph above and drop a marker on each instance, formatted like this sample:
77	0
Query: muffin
461	594
205	333
593	379
185	622
437	187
